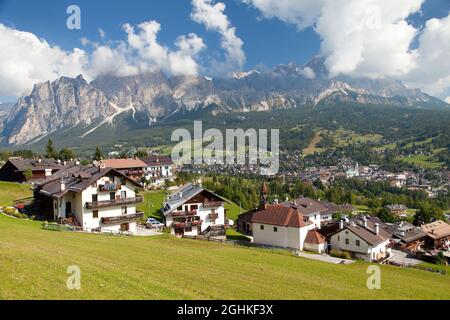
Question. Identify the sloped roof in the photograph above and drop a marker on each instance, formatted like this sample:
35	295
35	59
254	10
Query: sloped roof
436	230
157	161
124	163
76	179
308	206
367	235
184	194
35	165
314	237
280	215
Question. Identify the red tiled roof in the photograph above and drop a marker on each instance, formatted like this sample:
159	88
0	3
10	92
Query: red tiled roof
314	237
280	215
124	163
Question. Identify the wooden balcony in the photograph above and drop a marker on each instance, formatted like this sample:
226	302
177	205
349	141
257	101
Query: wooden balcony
180	225
184	213
122	219
116	202
110	187
212	204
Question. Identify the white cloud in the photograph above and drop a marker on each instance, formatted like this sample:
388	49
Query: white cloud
213	17
302	13
372	38
433	71
307	72
102	33
368	38
447	100
25	60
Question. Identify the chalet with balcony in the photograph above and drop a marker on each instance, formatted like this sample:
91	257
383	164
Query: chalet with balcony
90	198
438	235
15	168
194	211
363	239
158	170
132	168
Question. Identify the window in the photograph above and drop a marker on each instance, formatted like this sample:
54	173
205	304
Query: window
95	214
194	207
275	229
123	194
358	243
124	210
262	227
347	241
95	198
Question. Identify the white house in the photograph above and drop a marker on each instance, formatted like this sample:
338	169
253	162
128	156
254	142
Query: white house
91	198
319	212
193	211
362	240
158	170
285	227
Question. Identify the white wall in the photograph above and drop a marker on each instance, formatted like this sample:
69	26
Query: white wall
363	251
285	237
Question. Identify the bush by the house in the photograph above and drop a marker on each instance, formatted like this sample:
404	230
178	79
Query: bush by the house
340	254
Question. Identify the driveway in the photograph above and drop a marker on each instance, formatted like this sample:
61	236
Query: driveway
142	232
324	258
401	257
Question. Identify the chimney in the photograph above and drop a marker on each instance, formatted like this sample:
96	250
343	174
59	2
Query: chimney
59	161
365	222
77	162
63	185
39	160
64	163
276	201
377	228
341	224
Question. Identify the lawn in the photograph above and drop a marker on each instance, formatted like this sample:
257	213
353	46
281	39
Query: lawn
13	191
34	265
423	161
153	202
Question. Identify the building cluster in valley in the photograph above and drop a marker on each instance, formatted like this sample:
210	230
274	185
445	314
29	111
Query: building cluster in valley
346	168
103	197
321	226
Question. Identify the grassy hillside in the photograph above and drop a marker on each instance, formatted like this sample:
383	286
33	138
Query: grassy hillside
34	264
13	191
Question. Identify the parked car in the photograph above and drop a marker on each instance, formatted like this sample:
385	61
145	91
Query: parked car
154	224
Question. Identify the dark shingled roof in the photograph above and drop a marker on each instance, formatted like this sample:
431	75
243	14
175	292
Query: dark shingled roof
76	179
157	161
279	215
309	206
35	165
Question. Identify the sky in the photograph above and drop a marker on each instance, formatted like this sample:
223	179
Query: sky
408	40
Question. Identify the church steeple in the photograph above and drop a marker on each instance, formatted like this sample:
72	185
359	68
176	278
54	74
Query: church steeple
264	195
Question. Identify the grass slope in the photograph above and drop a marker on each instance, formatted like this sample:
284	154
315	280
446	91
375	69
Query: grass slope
153	202
34	264
13	191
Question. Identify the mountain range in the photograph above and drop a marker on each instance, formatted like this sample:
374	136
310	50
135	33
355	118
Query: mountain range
155	97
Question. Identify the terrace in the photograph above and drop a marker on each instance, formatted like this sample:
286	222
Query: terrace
122	219
115	202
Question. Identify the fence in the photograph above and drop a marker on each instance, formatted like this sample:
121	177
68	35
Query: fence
419	267
67	228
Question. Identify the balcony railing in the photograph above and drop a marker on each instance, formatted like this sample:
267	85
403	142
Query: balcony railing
184	213
116	202
122	219
179	225
213	204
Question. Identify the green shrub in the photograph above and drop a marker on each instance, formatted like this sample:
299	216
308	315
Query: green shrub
340	254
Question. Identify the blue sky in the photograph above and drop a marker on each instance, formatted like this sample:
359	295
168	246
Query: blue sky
267	41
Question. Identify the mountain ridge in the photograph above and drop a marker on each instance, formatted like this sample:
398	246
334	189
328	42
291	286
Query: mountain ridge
155	97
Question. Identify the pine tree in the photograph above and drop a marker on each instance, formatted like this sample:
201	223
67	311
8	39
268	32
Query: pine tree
98	156
51	152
